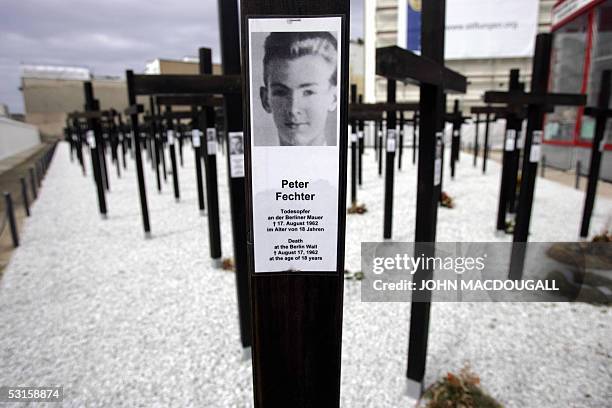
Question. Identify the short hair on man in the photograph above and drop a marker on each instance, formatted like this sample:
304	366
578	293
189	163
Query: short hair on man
292	45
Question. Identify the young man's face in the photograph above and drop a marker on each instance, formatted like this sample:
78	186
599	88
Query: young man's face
299	95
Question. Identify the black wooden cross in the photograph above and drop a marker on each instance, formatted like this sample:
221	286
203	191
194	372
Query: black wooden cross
171	140
228	85
93	136
490	113
537	101
602	113
297	316
434	79
354	153
156	85
457	119
374	111
514	116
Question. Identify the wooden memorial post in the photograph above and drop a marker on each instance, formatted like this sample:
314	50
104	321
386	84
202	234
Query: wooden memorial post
210	165
133	111
391	147
415	133
361	144
77	137
485	147
155	141
296	208
379	136
434	78
171	140
537	100
354	153
476	136
229	30
402	124
514	116
602	113
457	119
94	137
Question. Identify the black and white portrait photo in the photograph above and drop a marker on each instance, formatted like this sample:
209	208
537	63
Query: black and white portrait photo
294	88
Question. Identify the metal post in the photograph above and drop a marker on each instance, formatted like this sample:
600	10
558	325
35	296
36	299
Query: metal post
10	214
578	166
24	196
33	183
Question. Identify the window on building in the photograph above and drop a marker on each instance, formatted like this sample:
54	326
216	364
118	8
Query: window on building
567	72
601	59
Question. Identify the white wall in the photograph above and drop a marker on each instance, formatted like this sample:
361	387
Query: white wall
15	137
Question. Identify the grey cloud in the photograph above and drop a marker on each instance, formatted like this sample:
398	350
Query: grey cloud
107	37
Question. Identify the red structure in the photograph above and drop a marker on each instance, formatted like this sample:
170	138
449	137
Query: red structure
582	50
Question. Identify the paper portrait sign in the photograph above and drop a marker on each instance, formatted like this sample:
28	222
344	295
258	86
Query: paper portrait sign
236	153
294	117
536	147
391	143
195	137
438	159
510	140
170	135
91	139
211	141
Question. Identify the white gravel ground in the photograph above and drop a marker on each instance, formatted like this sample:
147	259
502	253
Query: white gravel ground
118	320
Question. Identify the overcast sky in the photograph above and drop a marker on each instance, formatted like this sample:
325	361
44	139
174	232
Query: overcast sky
107	36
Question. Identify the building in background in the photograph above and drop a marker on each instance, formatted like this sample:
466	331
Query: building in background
185	66
483	43
582	49
51	92
356	65
486	40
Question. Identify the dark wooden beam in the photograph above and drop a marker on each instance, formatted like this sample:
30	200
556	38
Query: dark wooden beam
189	100
521	98
403	65
186	84
383	107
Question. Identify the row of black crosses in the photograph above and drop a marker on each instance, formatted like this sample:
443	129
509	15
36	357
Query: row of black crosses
294	321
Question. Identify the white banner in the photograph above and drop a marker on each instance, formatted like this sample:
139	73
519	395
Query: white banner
479	28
